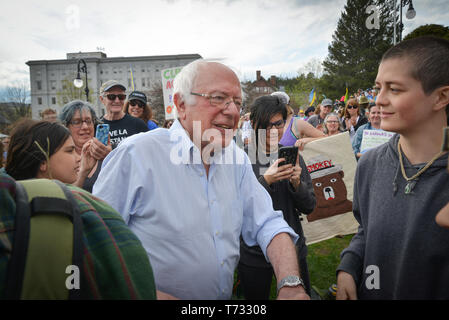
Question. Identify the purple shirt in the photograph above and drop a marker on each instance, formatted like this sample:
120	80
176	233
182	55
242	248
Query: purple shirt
288	139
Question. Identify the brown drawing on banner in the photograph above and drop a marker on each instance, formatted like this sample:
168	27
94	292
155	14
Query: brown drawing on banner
330	189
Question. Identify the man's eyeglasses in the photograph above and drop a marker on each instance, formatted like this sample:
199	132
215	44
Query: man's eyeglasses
78	123
133	103
352	107
219	100
332	121
278	124
112	97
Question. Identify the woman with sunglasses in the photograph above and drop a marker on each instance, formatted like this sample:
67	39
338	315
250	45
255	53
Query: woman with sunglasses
290	188
138	107
352	117
80	118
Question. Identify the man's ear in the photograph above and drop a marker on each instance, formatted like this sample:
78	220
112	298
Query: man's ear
441	97
180	106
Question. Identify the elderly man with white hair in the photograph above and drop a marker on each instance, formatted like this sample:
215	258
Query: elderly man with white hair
189	202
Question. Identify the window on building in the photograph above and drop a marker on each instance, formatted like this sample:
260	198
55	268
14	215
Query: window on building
39	85
53	84
53	100
39	100
143	82
65	100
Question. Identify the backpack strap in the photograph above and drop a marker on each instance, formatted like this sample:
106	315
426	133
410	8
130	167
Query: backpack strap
78	247
16	267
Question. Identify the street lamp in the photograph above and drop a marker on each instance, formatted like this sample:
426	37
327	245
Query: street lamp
78	82
410	14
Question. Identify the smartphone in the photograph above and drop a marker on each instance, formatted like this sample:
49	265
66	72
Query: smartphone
102	133
289	153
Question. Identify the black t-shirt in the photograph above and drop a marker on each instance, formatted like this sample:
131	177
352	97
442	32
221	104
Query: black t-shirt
124	128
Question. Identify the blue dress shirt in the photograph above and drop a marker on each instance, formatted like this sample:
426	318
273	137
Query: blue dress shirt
189	222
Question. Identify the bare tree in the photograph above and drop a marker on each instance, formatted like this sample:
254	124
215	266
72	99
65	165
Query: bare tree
314	66
156	99
15	102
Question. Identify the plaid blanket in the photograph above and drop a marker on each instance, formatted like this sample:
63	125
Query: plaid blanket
115	265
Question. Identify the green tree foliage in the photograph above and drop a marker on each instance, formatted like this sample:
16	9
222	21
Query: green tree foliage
299	89
69	92
357	47
436	30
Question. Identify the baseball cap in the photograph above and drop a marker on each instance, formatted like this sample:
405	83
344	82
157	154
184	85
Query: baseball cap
137	95
283	96
326	102
108	85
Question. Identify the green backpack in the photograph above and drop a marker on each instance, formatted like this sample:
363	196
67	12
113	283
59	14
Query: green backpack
47	242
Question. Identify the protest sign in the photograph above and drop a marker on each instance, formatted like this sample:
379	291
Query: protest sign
167	77
374	138
331	164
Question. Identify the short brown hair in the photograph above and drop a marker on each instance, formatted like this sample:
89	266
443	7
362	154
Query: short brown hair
47	111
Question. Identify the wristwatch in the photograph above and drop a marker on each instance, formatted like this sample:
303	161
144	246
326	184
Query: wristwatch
290	281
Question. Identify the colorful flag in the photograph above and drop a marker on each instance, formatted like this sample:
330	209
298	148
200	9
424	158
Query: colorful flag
312	96
346	95
132	77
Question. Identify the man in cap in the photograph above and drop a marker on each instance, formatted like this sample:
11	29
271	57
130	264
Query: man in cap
121	125
317	120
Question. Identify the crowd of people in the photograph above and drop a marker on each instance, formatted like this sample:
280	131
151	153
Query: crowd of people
201	206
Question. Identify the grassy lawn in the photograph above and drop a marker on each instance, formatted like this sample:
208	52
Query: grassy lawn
323	259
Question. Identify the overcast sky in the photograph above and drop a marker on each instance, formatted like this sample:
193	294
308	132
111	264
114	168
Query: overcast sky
276	36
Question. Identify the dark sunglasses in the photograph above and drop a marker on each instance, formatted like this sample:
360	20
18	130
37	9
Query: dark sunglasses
353	107
133	103
112	97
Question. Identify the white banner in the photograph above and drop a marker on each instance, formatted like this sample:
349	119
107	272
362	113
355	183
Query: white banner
331	164
374	138
167	77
